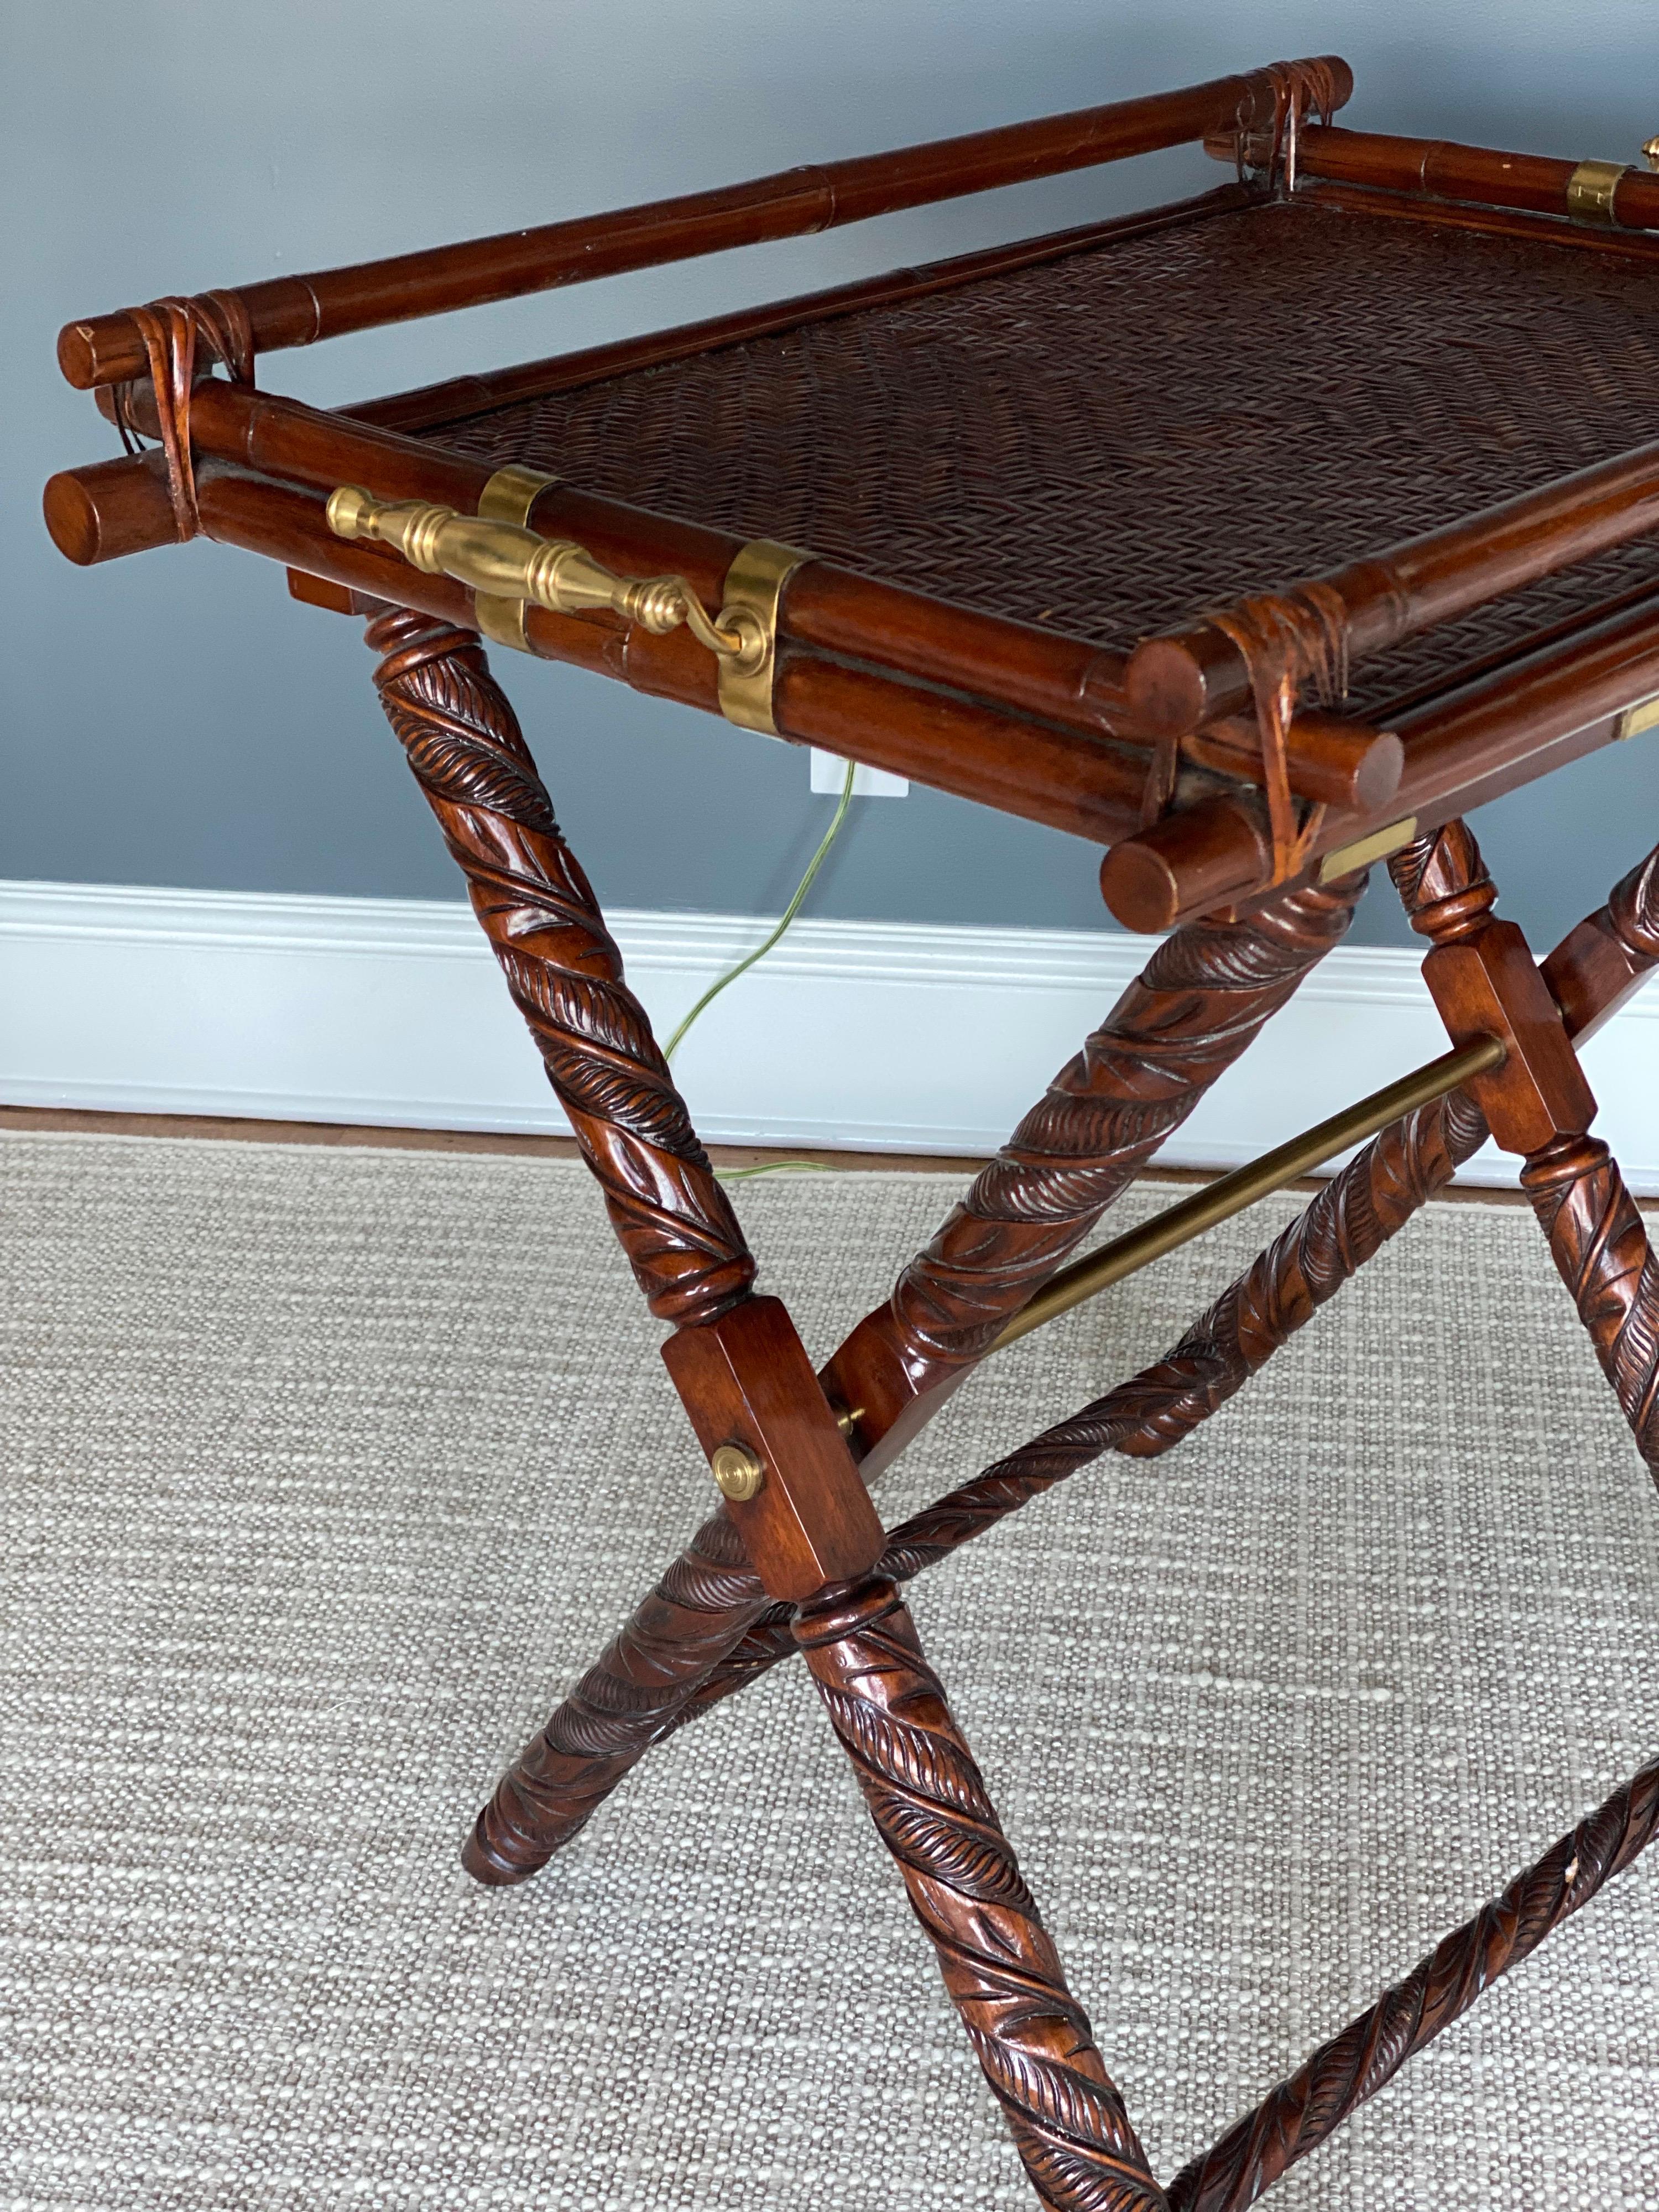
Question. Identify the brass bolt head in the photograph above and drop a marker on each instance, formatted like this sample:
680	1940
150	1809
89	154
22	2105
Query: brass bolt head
738	1471
1651	151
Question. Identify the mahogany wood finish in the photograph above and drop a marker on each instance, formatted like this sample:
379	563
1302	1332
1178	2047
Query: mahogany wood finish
1601	1248
562	969
746	1379
1085	786
1299	2115
1597	966
1345	1225
1443	884
290	311
1201	1000
633	1696
1054	678
1218	759
1503	729
1083	757
928	1801
743	1375
111	509
1178	682
1439	169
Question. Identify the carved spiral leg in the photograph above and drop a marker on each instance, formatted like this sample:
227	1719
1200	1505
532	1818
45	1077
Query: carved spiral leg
931	1808
1444	883
1205	994
562	967
1203	997
1297	2115
1602	1250
675	1222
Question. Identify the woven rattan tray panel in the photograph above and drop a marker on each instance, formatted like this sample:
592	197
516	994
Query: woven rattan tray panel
1114	441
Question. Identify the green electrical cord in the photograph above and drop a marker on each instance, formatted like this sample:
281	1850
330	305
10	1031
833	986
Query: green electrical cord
772	1167
787	917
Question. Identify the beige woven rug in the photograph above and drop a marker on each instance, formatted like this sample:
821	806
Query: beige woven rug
323	1471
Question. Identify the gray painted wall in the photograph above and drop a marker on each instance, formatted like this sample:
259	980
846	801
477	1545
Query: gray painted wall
175	719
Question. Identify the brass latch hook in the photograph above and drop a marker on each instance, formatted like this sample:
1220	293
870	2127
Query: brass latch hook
509	562
506	564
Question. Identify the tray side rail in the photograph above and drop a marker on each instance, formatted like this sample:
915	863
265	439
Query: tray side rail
298	310
1610	194
991	709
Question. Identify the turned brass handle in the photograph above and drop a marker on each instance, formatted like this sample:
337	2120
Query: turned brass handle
1650	153
507	562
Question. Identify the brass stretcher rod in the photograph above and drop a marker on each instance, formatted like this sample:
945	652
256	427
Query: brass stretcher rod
1230	1194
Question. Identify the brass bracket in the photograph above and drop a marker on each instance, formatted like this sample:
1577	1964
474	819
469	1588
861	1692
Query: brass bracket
508	497
1591	189
1343	860
754	591
1643	715
508	565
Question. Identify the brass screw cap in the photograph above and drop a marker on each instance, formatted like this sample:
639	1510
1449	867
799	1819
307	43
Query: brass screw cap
738	1471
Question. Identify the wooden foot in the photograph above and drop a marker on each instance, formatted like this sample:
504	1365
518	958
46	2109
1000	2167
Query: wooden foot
931	1808
633	1696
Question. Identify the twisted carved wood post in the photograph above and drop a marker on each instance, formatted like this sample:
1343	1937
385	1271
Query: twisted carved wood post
1346	1223
929	1804
929	1801
462	740
562	966
1203	997
924	1791
1297	2115
1595	1233
1601	1248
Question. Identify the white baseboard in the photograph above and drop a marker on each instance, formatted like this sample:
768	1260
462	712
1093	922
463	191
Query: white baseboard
872	1036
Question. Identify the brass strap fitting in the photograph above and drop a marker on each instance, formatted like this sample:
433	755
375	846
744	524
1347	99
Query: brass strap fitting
508	497
1343	859
506	565
1591	189
1642	715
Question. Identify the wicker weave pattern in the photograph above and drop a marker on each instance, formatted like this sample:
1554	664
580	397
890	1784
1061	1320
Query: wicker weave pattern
1115	441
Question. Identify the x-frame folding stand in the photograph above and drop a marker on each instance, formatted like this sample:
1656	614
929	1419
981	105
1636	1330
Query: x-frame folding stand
797	1558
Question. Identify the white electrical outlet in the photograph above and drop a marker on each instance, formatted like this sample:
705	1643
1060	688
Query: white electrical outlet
830	772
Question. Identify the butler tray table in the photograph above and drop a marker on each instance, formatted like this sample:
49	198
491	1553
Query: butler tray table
1253	540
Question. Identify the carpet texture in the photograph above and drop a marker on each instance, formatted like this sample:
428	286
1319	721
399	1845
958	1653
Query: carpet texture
325	1471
